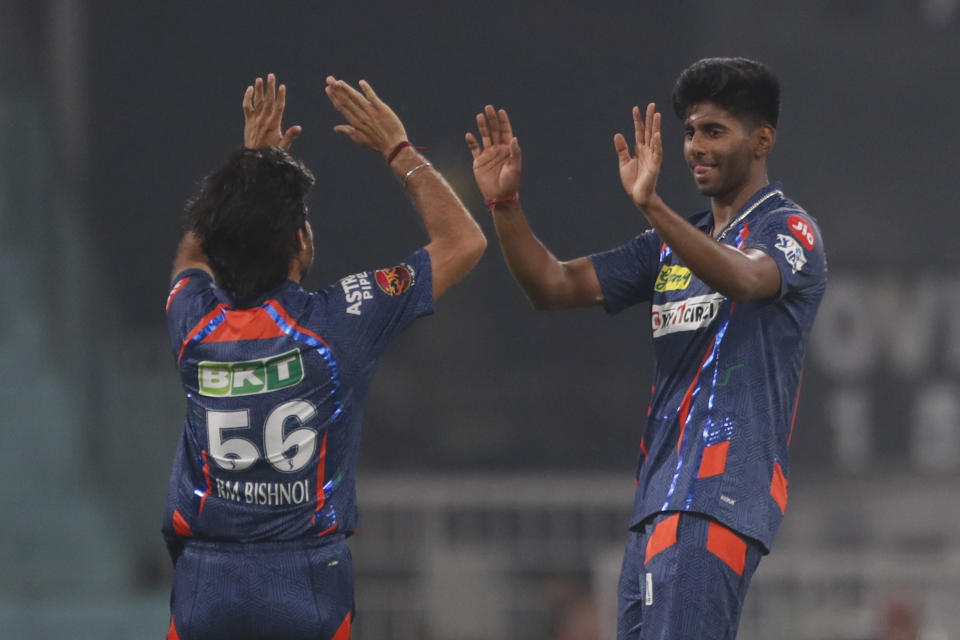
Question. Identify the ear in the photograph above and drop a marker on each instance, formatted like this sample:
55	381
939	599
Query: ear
301	240
764	138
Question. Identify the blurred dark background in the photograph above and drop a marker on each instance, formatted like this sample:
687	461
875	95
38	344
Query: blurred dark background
111	112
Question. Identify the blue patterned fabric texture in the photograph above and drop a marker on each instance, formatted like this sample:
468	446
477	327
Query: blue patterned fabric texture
727	374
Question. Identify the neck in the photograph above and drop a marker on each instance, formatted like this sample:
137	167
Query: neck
725	207
295	272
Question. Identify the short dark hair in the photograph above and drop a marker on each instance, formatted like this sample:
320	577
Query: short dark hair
746	88
246	215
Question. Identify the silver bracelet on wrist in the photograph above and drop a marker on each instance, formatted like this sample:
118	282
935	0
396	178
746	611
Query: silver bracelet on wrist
413	171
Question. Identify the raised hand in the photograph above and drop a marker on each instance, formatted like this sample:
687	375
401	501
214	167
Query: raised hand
372	123
639	172
263	112
497	163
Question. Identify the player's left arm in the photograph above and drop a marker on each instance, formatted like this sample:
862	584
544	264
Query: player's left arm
738	274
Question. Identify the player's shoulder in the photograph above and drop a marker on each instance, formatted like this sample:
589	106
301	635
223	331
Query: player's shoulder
785	218
792	220
785	207
187	286
359	293
647	240
193	274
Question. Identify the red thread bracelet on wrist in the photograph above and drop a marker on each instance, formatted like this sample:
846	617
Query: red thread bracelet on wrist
499	201
397	149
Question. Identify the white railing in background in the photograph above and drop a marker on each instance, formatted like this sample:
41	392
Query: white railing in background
472	557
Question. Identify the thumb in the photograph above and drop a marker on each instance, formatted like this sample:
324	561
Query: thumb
623	152
292	134
352	133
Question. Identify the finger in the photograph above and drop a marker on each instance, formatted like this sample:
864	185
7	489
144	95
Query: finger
657	142
248	102
341	101
350	102
354	95
370	94
350	110
623	151
258	93
493	123
637	128
484	130
648	126
271	93
335	94
282	98
505	129
331	80
474	145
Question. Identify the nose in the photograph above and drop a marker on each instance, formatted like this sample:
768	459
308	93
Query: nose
694	145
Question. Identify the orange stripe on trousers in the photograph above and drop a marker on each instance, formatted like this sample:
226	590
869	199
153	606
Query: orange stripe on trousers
663	537
727	546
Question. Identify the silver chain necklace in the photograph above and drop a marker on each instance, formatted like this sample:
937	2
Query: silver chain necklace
743	215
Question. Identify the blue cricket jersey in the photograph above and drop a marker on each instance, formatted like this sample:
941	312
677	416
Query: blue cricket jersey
275	395
727	375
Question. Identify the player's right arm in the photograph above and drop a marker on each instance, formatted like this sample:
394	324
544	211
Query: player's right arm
456	240
548	282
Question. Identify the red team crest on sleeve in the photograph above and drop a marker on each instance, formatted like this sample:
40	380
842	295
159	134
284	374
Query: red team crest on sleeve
803	231
395	280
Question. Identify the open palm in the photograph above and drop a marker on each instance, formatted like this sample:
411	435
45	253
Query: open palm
263	106
497	161
639	172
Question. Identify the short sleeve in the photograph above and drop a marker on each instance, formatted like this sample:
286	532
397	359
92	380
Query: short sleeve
191	295
376	305
792	238
627	273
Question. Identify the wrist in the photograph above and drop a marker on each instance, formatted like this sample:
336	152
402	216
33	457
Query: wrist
651	203
395	150
502	201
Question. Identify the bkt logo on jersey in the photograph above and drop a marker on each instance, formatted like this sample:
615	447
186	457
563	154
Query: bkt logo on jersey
672	278
684	315
222	379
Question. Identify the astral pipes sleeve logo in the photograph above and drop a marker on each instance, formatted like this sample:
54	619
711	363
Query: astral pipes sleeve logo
222	379
684	315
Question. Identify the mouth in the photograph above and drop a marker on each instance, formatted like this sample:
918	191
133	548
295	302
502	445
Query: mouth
701	171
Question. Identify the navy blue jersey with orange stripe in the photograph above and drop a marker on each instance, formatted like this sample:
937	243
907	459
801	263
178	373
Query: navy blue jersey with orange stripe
727	374
275	395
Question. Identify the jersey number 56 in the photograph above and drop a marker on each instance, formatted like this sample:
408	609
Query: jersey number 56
285	453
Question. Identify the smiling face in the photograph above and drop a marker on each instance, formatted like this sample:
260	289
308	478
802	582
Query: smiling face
723	153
